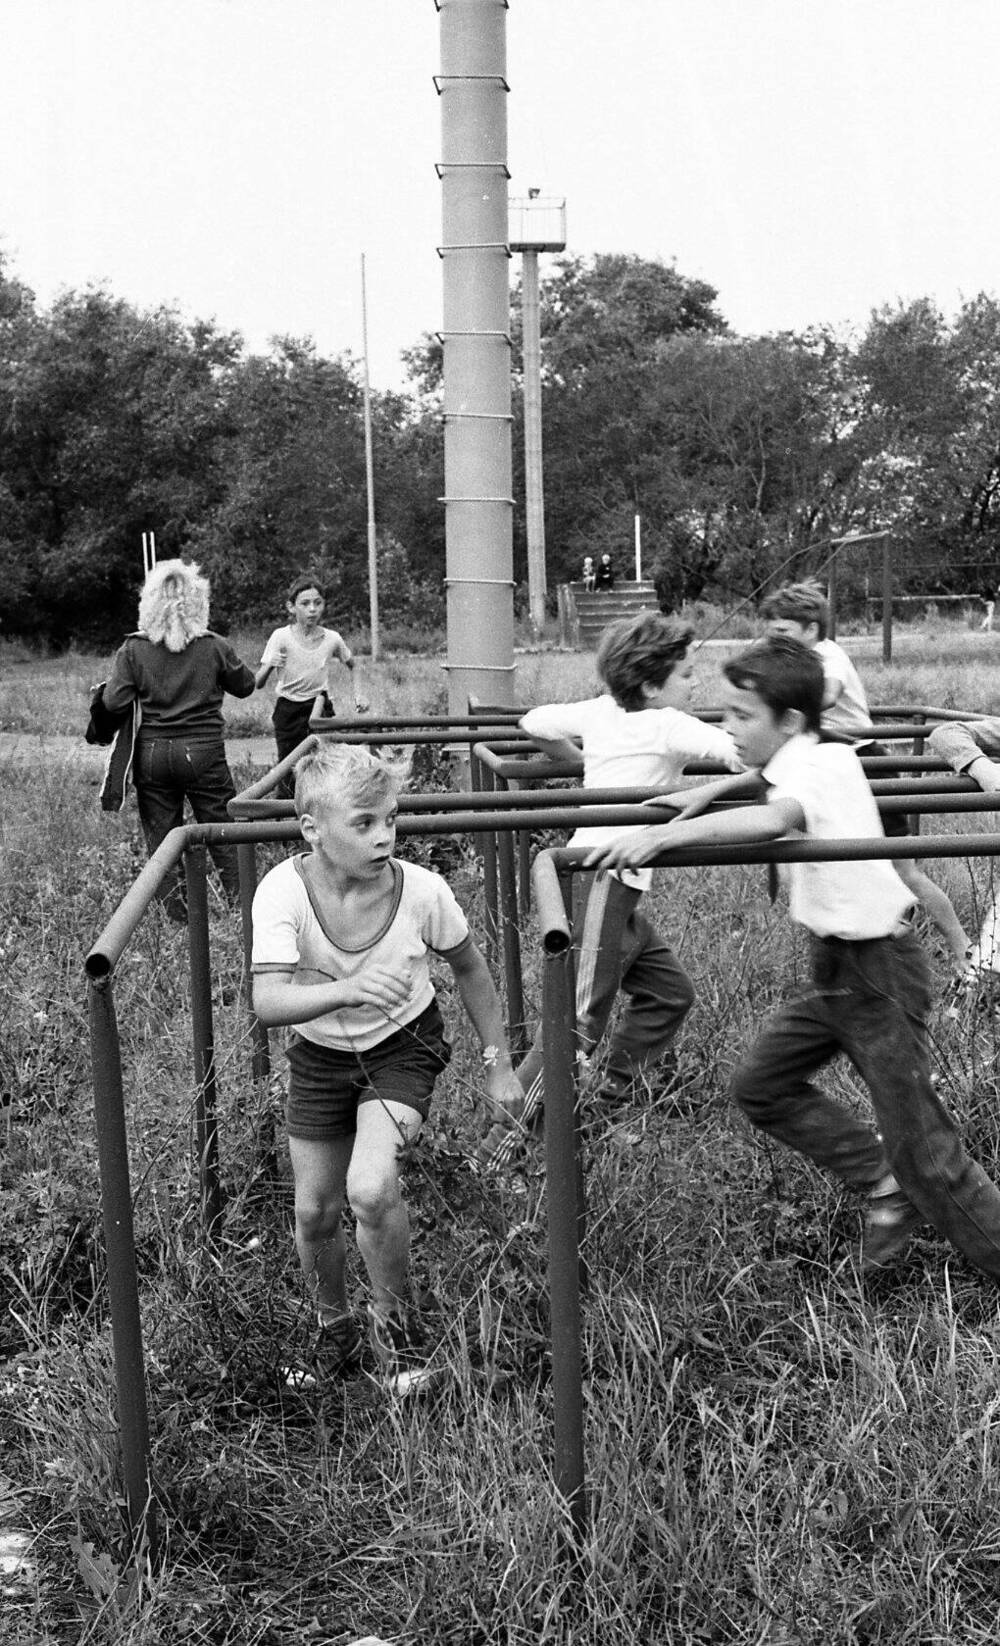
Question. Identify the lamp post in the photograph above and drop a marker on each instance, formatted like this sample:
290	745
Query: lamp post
535	225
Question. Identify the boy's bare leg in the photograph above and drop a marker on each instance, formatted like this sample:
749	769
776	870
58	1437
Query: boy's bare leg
376	1200
320	1173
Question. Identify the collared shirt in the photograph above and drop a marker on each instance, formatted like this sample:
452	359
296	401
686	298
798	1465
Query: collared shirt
855	900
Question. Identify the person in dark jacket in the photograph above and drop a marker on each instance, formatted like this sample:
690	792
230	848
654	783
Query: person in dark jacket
604	578
179	671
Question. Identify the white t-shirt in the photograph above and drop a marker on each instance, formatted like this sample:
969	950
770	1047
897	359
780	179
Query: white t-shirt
647	748
302	667
849	714
855	900
289	932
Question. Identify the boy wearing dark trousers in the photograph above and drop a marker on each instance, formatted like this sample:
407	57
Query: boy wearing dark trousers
871	988
634	735
801	611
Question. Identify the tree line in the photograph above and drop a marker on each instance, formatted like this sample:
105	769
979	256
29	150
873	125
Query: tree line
744	456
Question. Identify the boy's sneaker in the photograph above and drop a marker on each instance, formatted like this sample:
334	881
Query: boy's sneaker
401	1348
890	1221
335	1351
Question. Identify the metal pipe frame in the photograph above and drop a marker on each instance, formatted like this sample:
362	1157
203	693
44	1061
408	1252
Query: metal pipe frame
109	1106
563	1164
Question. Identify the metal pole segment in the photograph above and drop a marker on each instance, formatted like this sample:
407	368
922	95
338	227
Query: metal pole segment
562	1178
246	853
203	1035
887	600
476	347
511	936
123	1281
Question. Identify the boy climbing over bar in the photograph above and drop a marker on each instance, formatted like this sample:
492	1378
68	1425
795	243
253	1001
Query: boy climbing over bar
801	611
636	734
870	983
341	937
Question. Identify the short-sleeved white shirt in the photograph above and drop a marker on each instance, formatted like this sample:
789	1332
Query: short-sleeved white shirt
289	933
855	900
647	748
849	714
303	672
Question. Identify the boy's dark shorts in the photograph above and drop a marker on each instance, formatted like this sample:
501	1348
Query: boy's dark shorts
894	824
326	1086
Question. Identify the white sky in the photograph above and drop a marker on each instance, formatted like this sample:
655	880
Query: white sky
810	158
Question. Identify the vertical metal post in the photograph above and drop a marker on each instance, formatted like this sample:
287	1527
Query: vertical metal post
831	595
490	879
511	935
887	599
476	343
558	1019
246	853
123	1283
203	1034
534	501
370	482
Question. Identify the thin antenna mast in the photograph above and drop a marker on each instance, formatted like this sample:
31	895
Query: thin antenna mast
370	481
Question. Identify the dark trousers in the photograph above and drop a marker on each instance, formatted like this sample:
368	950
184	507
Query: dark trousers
291	727
870	1000
618	950
169	770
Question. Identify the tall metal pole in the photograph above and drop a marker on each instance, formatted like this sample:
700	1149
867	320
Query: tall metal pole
370	482
887	599
476	344
534	504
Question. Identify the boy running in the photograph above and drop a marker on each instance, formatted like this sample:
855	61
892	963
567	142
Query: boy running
341	936
635	735
801	611
871	987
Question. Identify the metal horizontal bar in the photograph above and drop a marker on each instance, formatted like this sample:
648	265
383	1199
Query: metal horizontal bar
442	80
475	245
441	166
508	500
473	416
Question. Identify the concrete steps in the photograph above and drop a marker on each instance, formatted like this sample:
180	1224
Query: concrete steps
586	613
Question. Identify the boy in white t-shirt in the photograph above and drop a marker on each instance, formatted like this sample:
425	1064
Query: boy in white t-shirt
341	937
635	735
870	987
302	652
801	611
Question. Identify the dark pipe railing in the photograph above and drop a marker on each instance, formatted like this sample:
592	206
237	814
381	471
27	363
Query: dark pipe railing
564	1155
552	870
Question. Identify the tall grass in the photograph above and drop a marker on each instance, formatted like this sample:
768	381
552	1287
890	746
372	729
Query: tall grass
775	1452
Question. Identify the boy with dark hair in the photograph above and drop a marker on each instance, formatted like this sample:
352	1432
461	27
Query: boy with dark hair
801	611
341	937
302	651
871	989
634	735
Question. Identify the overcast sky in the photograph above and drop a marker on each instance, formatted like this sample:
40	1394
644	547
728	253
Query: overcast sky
812	159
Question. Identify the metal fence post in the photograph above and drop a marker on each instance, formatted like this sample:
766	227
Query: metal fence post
247	855
203	1034
123	1283
559	1039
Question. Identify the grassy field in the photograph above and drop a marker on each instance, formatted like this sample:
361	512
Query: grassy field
776	1454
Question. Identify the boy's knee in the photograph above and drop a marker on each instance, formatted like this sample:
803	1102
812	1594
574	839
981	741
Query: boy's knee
372	1194
317	1215
749	1094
